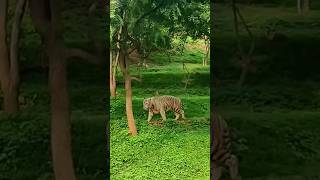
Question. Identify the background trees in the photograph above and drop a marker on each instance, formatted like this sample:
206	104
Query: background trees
48	19
141	27
9	55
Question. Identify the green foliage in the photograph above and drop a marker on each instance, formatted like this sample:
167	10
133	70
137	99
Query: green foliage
153	24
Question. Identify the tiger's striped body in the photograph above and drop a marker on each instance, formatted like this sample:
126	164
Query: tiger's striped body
221	155
163	104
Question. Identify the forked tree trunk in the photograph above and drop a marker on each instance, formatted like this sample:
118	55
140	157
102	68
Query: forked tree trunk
46	18
60	117
9	67
245	58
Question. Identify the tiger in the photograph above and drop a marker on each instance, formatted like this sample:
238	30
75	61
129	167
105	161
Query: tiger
221	156
163	104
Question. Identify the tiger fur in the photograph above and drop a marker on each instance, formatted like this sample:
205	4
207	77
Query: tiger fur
221	156
163	104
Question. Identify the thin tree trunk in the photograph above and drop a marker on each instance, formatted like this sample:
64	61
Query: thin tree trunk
299	6
9	68
113	67
124	65
129	111
207	54
306	6
246	58
61	120
113	88
46	18
14	83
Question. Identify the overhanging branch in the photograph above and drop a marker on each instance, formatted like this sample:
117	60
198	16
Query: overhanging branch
75	52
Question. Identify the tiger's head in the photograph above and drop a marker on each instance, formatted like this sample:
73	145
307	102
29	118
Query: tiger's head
147	104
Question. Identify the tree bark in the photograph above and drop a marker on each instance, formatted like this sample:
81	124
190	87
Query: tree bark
60	120
245	57
113	88
4	56
299	6
306	6
47	23
113	67
124	65
9	67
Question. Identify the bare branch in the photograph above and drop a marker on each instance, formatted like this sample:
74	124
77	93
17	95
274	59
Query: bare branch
75	52
135	78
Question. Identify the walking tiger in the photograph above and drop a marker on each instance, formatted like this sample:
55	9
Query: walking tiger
163	104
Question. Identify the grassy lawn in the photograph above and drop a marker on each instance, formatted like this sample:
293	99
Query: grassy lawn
174	150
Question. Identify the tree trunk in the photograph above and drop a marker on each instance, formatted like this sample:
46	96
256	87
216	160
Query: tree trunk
129	111
206	57
9	68
113	85
299	6
46	18
306	6
60	122
124	65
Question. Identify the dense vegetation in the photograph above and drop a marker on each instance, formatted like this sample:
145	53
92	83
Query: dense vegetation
275	114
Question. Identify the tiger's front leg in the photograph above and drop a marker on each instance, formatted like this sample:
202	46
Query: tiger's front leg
150	115
163	115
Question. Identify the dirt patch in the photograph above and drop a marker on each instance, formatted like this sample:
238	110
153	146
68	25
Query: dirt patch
184	122
158	123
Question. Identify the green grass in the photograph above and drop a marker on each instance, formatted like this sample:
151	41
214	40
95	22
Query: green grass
176	150
275	115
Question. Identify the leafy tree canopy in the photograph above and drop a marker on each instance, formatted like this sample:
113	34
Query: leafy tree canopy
151	24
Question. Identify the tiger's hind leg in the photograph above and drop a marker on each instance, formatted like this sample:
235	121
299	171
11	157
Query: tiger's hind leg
182	114
163	115
177	116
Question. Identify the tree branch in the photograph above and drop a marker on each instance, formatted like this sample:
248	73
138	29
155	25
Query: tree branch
149	12
135	78
75	52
